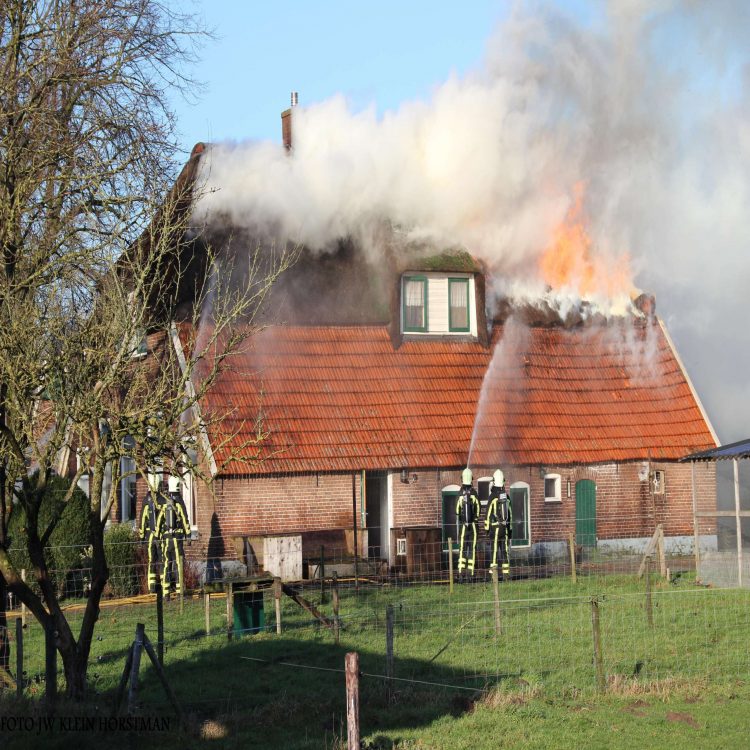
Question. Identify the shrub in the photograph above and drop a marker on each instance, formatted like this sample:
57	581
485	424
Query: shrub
121	551
66	553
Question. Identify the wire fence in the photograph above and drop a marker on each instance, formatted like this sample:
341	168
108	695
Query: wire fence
581	621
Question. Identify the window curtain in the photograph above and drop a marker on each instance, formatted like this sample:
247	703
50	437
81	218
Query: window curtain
414	304
459	305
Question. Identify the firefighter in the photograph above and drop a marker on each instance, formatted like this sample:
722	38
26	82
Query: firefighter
467	515
499	523
150	513
174	528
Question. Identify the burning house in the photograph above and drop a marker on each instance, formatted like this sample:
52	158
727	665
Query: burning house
377	379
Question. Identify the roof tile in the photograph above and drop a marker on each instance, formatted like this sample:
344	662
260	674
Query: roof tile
338	398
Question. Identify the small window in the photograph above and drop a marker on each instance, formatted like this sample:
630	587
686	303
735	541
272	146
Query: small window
483	490
128	494
552	492
401	546
140	344
415	303
658	482
458	310
83	479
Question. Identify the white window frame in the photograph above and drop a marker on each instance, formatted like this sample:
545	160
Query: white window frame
557	497
187	486
83	479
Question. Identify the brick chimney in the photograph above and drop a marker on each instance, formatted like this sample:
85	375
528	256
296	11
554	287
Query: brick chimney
646	303
286	122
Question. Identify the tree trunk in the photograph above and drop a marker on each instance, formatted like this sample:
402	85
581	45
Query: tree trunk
74	669
76	656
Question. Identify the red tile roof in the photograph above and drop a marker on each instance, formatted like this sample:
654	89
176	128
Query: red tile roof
341	398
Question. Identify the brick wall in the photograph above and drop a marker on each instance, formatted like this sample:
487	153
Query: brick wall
285	504
306	503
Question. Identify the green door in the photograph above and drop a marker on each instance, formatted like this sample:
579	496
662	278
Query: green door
586	513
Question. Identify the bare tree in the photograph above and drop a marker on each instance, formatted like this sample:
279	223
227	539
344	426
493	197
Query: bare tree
86	140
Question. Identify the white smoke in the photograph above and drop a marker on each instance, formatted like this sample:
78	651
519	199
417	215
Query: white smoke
645	104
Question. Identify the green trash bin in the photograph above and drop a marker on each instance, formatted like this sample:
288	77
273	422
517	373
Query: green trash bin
249	616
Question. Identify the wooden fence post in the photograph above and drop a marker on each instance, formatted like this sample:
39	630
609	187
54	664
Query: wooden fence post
19	656
159	622
322	571
598	660
352	700
50	664
135	666
207	607
230	608
277	603
336	605
496	595
389	666
662	554
649	607
572	546
450	565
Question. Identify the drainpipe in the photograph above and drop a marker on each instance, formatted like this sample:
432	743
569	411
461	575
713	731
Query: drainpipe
362	498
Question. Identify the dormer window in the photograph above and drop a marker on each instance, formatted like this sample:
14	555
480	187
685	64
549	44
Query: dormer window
415	303
438	304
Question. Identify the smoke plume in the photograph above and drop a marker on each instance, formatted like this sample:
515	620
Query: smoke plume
633	121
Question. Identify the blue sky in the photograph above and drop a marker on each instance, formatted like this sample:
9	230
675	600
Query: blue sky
668	133
374	53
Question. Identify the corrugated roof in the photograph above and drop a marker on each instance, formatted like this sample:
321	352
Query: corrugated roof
740	449
335	398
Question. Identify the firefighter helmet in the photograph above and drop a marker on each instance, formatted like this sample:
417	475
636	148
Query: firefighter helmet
174	484
466	476
498	478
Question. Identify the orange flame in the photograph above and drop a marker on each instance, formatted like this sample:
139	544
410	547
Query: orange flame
568	262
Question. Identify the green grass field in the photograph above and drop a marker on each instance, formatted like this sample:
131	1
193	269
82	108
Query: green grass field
681	682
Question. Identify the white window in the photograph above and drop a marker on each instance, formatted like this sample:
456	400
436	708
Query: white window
155	474
438	303
83	479
415	303
552	488
483	490
458	305
188	498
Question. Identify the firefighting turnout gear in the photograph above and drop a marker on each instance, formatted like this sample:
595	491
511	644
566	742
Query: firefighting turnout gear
467	515
150	512
499	522
173	526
